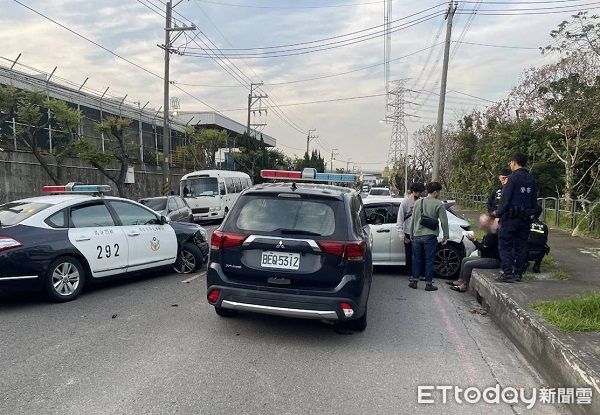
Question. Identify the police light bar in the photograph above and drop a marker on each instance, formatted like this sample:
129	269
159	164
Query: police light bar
77	188
307	174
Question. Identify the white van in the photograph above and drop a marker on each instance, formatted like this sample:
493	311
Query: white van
211	193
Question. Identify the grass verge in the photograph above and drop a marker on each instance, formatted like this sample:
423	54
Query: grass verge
549	271
573	314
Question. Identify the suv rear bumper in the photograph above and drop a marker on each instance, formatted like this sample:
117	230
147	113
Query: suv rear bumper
281	311
287	305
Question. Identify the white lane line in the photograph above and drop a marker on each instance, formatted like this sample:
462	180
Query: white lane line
188	280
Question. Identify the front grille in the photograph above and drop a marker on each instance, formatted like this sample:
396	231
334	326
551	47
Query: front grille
200	210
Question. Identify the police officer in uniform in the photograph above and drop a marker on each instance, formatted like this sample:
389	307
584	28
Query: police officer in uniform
517	206
496	193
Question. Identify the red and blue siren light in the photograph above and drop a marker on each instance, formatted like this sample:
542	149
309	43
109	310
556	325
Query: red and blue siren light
307	174
77	188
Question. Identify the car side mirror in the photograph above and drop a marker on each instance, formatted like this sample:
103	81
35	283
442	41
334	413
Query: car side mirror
223	193
164	220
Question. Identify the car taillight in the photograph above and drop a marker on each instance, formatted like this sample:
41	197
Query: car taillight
213	296
7	243
220	240
333	247
355	251
352	251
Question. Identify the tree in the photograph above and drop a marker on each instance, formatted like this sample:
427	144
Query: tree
314	161
254	156
574	112
36	113
117	147
205	144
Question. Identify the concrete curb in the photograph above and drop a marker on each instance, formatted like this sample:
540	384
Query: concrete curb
558	362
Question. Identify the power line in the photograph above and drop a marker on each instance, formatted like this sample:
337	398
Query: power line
282	46
250	6
325	46
148	71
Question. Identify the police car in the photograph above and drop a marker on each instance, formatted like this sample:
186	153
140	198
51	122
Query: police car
60	242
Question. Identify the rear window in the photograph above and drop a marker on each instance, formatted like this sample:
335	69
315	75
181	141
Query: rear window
288	216
16	212
155	204
380	192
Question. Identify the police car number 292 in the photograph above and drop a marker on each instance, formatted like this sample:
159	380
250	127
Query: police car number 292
59	242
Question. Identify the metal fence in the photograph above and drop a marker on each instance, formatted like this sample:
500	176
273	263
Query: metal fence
558	212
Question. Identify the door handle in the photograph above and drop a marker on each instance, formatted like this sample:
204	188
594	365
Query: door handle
83	239
383	230
133	234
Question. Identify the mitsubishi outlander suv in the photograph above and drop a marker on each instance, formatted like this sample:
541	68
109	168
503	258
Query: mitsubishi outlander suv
295	250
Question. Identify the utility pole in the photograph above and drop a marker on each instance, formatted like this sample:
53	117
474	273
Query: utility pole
333	154
168	48
252	100
309	138
440	119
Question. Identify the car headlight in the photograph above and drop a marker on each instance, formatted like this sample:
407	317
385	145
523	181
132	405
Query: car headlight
218	208
204	234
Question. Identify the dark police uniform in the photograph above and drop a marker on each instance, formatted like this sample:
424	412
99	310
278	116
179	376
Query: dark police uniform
515	210
494	199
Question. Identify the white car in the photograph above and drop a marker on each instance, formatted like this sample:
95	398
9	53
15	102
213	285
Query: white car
379	192
59	243
388	249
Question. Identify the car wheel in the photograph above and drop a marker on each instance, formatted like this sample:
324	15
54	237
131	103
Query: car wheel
64	279
190	259
447	261
225	312
359	324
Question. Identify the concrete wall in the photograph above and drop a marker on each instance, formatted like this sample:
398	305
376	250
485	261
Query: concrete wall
21	176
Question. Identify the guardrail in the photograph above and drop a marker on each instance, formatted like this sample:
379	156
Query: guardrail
558	212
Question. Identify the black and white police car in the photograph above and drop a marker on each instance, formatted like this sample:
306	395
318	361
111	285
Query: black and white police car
60	242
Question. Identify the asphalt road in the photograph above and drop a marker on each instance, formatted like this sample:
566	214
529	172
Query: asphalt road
153	345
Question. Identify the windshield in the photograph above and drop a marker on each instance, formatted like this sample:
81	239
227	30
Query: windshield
16	212
158	204
380	192
200	186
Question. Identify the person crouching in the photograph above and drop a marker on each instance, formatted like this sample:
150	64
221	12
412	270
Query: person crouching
489	257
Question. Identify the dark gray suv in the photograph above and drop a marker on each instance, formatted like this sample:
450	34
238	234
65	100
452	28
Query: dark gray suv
293	250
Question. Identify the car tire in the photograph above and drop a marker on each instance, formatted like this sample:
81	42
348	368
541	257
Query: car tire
226	313
447	261
359	324
64	279
189	259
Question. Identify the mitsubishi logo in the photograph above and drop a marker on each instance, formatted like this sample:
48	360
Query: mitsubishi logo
280	245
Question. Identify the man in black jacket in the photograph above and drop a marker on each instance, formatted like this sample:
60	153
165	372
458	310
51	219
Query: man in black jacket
488	258
517	206
496	193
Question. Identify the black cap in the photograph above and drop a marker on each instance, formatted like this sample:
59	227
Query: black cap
505	171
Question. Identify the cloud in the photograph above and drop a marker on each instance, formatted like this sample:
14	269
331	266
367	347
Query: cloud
353	127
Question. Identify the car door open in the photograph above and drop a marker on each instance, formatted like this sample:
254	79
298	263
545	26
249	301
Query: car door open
377	215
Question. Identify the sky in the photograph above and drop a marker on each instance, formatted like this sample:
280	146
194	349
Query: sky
133	28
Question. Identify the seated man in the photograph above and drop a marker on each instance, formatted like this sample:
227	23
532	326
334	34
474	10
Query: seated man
489	257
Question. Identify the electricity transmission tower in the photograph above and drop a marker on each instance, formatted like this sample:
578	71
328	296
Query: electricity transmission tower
399	138
253	108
